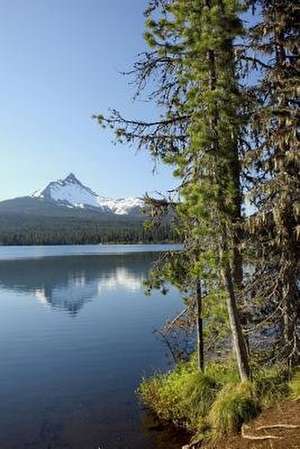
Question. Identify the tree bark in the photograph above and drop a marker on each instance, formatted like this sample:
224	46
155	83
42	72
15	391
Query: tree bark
286	222
237	257
238	341
234	273
199	324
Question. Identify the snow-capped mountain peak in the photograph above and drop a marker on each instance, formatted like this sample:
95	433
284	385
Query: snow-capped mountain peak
70	192
72	178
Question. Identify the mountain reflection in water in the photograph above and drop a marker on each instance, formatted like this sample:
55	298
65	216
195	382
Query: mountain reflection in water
67	283
76	337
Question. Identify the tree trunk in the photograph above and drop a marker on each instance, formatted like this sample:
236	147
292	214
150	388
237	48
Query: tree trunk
238	341
286	223
199	324
237	257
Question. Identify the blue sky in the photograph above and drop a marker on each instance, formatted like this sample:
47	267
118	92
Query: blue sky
60	63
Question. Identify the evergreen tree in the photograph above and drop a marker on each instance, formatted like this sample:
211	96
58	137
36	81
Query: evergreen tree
204	109
275	162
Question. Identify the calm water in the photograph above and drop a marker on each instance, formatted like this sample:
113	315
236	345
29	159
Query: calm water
76	337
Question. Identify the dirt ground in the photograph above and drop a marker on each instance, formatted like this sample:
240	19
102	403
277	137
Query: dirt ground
287	412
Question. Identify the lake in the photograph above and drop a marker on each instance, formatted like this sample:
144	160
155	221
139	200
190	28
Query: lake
76	337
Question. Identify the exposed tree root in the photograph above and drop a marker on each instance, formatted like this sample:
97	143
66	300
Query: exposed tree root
255	437
278	426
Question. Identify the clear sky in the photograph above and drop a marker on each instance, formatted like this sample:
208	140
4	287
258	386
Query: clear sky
60	63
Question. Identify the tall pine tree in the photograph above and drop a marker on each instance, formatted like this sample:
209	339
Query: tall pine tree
275	161
200	134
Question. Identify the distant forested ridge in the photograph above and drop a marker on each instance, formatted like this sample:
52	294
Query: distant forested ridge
30	221
27	230
40	219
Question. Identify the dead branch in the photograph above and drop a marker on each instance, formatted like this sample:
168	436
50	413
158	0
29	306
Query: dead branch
169	325
175	359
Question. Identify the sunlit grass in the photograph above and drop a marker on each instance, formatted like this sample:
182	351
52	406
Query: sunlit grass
214	402
294	384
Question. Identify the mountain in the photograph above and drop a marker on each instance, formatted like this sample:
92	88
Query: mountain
68	212
70	192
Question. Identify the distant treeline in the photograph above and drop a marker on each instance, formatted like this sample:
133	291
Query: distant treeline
85	234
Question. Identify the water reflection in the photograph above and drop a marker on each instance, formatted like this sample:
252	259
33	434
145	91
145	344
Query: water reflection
67	283
69	383
163	436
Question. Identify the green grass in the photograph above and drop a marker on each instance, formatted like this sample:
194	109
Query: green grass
223	372
182	396
271	384
234	405
214	402
294	384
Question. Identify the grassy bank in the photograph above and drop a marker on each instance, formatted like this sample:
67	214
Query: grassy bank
214	403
